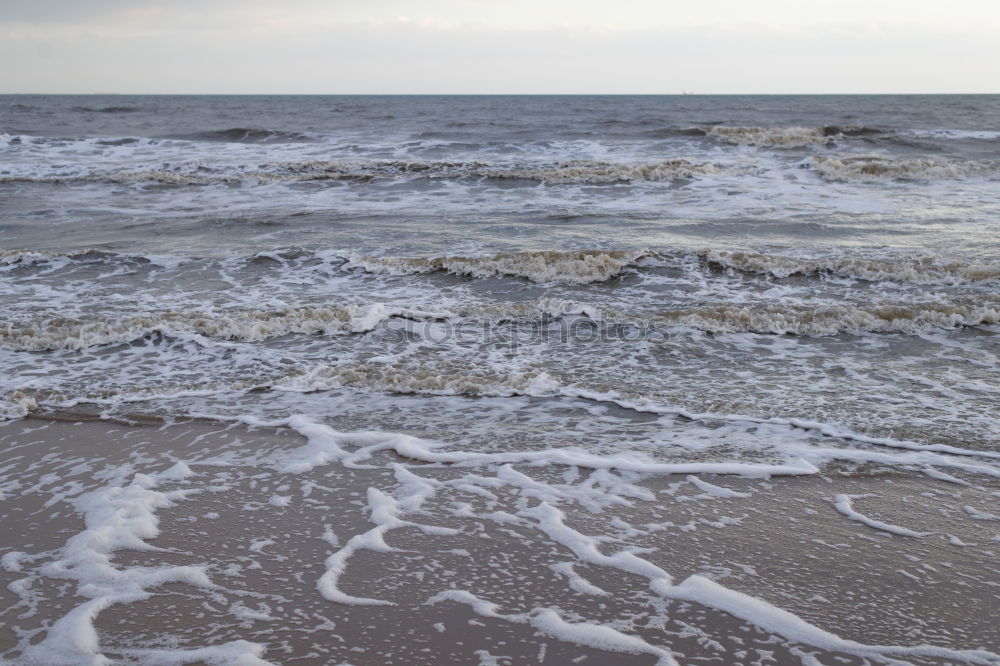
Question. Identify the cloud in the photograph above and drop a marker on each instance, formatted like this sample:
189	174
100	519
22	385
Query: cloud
61	11
518	14
346	47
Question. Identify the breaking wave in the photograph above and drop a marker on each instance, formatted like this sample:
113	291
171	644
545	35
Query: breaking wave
768	319
834	320
246	135
875	168
915	269
575	267
603	172
11	259
16	404
569	266
246	326
976	135
578	171
438	378
803	320
787	137
582	172
587	266
106	109
55	333
579	267
48	260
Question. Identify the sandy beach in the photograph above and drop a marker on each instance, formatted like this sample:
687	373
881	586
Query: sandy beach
207	542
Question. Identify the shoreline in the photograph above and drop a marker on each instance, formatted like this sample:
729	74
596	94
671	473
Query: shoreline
262	537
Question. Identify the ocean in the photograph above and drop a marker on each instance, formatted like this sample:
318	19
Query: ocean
500	379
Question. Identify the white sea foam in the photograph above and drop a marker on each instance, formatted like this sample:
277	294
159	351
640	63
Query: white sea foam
844	504
551	521
704	591
326	445
233	653
549	622
714	490
976	514
16	404
576	581
116	518
386	513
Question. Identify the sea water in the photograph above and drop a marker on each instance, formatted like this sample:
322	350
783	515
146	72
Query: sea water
595	287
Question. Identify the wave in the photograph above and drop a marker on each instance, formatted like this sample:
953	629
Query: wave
851	130
15	139
256	326
28	257
575	267
604	172
438	378
803	319
587	266
23	258
124	141
678	132
580	172
17	404
246	135
51	259
206	177
877	168
977	135
107	109
145	176
243	326
571	266
770	319
807	320
913	269
75	333
548	266
787	137
79	143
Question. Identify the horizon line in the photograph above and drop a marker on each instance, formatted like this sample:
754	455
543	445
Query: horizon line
497	94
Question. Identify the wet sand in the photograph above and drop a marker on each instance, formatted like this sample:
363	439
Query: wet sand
261	533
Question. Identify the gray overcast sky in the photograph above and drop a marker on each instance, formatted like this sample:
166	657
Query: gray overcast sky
512	46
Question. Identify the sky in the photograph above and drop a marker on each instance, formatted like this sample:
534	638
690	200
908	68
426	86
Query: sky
499	46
